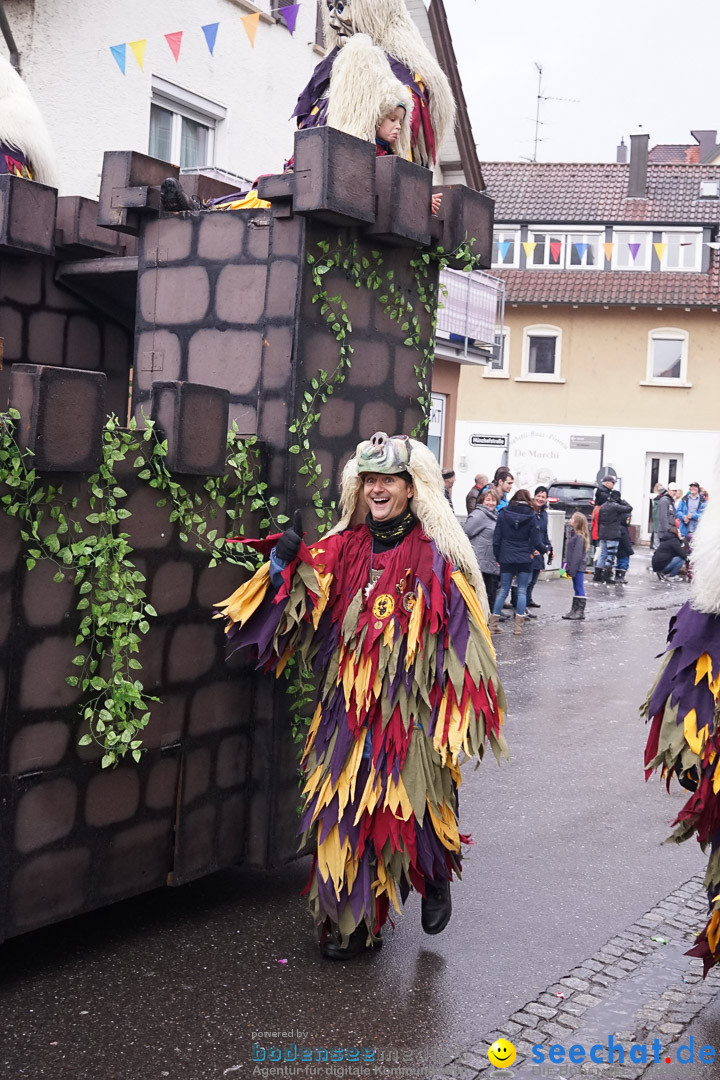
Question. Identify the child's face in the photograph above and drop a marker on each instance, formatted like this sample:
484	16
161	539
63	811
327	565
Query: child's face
389	127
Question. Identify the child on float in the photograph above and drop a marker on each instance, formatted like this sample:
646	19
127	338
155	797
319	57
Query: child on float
387	138
575	561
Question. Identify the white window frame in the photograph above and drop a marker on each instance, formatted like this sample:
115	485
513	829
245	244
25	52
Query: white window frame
541	330
697	236
186	103
568	236
673	333
504	371
501	235
627	236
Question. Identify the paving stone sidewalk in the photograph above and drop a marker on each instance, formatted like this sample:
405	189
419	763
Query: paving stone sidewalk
639	986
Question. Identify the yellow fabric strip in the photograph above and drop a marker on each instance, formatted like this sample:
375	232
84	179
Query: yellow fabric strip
694	740
247	599
473	604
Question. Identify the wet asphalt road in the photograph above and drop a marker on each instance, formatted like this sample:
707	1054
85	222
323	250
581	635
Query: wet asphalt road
567	853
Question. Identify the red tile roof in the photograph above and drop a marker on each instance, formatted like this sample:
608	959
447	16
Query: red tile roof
674	153
586	193
613	286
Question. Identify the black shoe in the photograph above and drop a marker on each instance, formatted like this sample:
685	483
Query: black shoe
436	906
659	576
529	614
531	603
357	943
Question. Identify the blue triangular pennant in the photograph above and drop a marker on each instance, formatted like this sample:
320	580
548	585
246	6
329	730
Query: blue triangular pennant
503	248
210	32
118	52
581	249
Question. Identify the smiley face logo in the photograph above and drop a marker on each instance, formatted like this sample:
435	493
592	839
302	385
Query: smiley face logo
502	1053
383	606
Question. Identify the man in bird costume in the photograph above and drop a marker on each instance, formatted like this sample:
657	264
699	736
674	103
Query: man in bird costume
683	708
389	608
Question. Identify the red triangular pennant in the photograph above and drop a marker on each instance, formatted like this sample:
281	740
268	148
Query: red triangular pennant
175	41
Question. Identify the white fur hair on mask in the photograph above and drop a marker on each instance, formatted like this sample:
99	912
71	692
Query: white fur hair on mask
429	506
705	556
363	90
22	126
388	24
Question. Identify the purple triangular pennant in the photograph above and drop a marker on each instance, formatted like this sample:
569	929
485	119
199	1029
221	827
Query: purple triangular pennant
210	32
118	52
633	249
289	16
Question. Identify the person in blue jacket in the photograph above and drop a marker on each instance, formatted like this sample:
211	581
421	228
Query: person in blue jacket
690	509
515	542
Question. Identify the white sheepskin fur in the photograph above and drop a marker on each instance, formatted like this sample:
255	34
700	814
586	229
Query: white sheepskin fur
430	507
705	557
389	25
363	91
22	125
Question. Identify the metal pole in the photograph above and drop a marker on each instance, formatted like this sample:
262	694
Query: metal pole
9	39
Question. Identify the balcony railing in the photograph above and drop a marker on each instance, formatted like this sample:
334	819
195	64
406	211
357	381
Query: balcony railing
472	315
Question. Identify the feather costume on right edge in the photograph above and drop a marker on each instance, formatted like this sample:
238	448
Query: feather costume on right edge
684	710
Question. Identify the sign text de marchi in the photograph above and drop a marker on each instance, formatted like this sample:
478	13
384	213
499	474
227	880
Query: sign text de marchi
488	440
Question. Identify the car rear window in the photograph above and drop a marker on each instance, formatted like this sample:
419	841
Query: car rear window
570	492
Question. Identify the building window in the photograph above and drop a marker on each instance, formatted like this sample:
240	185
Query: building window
667	357
542	353
682	251
577	250
182	125
498	368
631	250
506	248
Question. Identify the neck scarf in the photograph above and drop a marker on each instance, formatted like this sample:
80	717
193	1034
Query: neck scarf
388	534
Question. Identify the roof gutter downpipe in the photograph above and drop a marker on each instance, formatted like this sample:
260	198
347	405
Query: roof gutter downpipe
9	39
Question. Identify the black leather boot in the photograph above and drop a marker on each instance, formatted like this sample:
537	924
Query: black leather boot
436	906
332	949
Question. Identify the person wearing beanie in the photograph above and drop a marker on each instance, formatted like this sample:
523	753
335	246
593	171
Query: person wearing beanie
448	476
390	610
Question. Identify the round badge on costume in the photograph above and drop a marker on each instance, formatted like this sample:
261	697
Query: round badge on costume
383	606
408	601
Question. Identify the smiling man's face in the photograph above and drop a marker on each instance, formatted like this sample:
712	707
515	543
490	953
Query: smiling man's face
387	496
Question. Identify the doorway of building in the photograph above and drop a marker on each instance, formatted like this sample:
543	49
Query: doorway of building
664	469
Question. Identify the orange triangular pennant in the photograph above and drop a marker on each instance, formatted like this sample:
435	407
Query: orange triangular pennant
660	250
138	51
250	22
175	41
608	251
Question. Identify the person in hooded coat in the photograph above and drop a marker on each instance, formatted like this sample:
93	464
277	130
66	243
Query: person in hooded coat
515	543
389	610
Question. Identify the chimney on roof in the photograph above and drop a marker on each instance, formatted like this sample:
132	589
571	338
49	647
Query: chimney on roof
707	141
637	178
621	153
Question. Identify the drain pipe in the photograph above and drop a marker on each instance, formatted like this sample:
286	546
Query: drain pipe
9	39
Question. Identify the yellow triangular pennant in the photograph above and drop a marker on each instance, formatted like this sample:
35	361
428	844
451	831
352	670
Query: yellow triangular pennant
250	22
660	250
608	251
528	247
138	51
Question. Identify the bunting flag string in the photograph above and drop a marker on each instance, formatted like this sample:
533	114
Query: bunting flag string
118	52
582	248
138	50
250	22
210	31
175	41
289	16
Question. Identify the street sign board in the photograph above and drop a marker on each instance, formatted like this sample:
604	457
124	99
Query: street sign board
488	440
586	442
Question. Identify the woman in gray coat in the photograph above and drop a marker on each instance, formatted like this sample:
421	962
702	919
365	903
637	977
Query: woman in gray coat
480	526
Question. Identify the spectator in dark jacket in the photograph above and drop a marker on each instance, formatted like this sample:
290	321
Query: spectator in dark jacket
612	513
473	496
602	491
480	529
544	547
669	556
665	513
515	542
624	551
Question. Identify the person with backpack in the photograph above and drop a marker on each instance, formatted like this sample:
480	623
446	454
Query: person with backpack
610	517
575	561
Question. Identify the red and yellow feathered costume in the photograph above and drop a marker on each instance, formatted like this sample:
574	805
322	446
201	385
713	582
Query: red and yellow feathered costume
407	684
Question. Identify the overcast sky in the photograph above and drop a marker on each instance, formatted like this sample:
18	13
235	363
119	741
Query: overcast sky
653	63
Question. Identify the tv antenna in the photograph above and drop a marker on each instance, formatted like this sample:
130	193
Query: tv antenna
540	99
